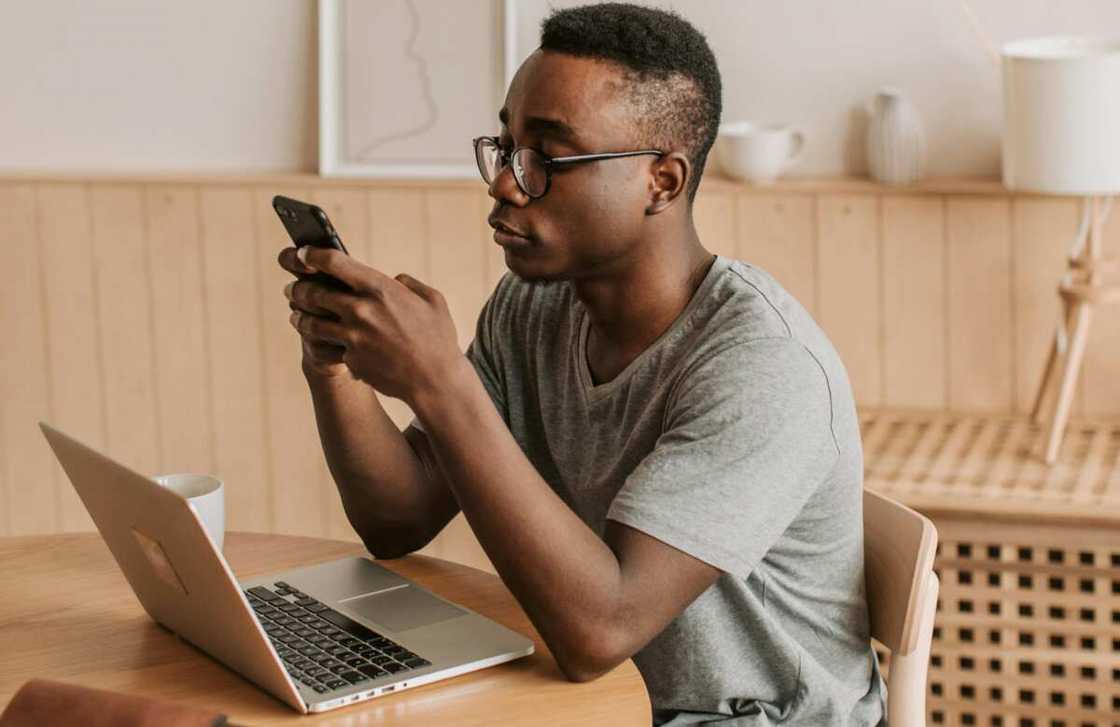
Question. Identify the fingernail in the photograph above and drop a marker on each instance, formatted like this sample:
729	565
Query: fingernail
301	253
293	317
288	289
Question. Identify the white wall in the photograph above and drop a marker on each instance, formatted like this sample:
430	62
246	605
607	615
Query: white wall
112	85
119	85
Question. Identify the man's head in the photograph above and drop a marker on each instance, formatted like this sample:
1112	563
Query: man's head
618	77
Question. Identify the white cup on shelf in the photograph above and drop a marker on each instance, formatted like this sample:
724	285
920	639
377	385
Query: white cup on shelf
758	152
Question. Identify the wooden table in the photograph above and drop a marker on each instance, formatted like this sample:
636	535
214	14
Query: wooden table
67	613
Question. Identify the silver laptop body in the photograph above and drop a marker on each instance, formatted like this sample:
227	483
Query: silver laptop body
316	638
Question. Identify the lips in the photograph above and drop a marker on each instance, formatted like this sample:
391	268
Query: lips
507	229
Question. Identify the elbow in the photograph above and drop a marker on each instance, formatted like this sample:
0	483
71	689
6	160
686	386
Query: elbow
590	657
389	543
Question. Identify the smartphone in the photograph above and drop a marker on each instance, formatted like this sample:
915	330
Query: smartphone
308	224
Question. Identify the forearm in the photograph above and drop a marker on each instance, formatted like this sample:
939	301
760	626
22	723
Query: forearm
565	577
385	491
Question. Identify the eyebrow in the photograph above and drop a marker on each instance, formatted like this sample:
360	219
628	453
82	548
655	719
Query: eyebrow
552	127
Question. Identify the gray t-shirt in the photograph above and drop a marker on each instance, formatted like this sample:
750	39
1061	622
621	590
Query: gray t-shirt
733	438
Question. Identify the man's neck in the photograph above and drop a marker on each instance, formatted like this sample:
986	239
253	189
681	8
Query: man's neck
630	309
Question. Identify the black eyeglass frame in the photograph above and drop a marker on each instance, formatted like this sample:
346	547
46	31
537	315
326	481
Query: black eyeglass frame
546	160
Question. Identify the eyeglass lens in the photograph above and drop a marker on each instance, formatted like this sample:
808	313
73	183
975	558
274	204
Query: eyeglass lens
528	167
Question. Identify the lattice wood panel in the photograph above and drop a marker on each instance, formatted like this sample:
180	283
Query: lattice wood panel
1028	624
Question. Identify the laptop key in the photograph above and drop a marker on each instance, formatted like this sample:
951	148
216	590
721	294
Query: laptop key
338	651
340	669
307	602
264	594
371	671
416	662
336	683
354	677
393	667
355	661
321	689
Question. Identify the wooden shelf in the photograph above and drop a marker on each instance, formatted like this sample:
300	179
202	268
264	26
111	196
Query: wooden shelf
712	181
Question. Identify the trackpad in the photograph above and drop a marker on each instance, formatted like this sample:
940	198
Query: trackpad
402	609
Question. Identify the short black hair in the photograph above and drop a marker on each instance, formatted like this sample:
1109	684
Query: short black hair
674	79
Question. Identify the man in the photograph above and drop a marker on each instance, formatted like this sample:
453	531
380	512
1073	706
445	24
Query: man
656	447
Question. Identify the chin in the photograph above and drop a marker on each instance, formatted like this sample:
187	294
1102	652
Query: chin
528	271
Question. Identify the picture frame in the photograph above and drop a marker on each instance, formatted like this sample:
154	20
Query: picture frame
380	114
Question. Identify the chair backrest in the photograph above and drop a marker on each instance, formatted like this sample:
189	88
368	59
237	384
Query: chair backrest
899	545
899	548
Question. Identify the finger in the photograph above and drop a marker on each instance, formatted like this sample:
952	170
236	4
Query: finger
317	298
426	292
338	264
288	260
320	329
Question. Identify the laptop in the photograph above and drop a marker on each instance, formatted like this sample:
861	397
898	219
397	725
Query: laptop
316	638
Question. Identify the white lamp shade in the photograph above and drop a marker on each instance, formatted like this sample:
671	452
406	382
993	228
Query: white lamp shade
1061	115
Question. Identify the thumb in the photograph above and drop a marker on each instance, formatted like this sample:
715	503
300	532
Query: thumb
426	292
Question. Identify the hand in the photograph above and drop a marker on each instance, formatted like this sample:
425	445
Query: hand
397	334
320	358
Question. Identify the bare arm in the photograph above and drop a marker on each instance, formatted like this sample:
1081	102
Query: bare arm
394	496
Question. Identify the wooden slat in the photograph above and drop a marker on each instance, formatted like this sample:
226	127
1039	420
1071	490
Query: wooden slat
182	355
1043	229
1094	466
1007	459
849	305
778	234
123	279
28	494
233	318
914	303
979	287
73	342
295	459
714	216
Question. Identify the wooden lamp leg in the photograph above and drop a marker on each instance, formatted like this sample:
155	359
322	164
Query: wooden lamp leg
1082	311
1046	387
1078	298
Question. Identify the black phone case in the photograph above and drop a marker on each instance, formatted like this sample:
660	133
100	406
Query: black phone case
308	224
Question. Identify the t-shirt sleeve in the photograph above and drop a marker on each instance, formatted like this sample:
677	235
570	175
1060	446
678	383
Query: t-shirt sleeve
747	439
484	355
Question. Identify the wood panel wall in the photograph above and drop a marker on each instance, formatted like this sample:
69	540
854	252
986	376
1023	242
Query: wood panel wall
145	315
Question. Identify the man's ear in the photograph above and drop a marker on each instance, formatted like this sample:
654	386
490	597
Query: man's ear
669	176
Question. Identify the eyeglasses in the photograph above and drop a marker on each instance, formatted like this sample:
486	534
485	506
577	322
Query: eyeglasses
531	168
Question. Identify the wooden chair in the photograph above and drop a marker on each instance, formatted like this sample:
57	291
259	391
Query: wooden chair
899	545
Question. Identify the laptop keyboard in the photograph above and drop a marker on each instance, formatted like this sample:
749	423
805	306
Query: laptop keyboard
322	648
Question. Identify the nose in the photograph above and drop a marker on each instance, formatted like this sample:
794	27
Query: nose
504	188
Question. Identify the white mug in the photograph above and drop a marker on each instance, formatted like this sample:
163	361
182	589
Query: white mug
757	152
206	496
